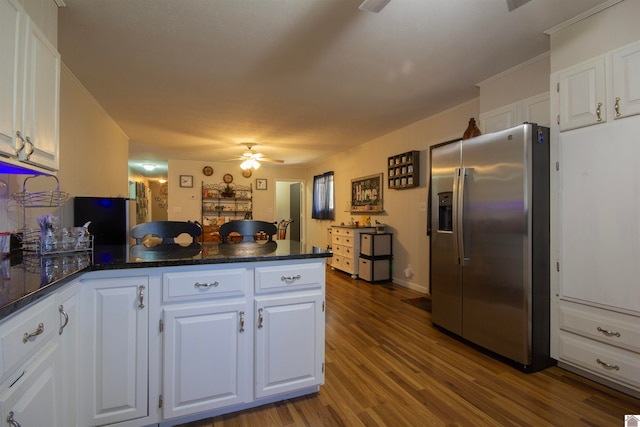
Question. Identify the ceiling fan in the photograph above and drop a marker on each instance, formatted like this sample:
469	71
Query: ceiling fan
251	158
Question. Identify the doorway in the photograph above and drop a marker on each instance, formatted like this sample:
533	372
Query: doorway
289	206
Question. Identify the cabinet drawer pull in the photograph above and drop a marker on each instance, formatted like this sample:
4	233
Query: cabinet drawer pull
206	285
616	106
12	421
140	297
242	321
27	336
66	319
608	333
598	112
260	318
608	366
289	278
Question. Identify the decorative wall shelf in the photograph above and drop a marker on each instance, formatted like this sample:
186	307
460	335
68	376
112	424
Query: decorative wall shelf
404	170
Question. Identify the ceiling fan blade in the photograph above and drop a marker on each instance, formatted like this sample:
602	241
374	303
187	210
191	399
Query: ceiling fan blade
266	159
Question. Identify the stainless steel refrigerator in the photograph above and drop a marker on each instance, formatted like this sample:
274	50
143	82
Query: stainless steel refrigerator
489	242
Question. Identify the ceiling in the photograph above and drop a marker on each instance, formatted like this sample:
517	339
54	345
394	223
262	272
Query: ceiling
304	79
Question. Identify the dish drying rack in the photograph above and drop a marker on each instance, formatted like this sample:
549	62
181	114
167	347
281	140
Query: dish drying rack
31	238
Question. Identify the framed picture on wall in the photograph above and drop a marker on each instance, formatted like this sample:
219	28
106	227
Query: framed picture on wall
261	184
186	181
366	194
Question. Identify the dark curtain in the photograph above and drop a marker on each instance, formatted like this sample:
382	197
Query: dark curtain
323	204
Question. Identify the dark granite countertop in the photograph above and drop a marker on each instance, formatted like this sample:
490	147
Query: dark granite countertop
25	278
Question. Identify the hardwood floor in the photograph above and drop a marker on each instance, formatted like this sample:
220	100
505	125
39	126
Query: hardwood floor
387	366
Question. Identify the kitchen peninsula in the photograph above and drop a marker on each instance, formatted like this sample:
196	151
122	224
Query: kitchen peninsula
159	336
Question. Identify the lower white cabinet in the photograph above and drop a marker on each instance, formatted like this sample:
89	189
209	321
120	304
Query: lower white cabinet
38	348
164	345
114	350
205	351
35	399
289	339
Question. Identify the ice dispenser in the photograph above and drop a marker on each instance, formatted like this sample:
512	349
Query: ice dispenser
445	211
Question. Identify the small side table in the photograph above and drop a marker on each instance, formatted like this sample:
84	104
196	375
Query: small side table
376	253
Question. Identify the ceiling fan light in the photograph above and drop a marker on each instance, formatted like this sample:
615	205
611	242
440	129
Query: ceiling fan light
254	164
245	165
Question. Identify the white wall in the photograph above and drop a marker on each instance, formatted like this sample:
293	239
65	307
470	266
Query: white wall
404	210
614	27
521	82
185	203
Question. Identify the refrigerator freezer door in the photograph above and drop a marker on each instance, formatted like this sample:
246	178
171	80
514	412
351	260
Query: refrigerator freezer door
445	272
496	289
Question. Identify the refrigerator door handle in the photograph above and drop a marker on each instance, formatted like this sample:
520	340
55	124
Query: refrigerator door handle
458	212
456	215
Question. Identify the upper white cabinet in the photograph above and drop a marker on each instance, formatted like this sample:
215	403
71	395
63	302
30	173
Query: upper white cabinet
626	81
604	88
530	110
30	93
12	23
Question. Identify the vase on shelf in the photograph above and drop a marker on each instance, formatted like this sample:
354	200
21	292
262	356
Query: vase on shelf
472	130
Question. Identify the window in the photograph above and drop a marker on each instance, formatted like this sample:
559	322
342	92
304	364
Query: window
323	206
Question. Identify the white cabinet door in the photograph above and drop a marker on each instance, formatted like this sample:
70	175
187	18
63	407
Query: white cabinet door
68	336
600	214
289	336
206	363
498	119
626	81
12	22
41	100
114	351
34	399
583	95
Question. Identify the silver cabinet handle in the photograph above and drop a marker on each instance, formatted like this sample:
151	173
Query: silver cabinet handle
242	321
27	336
288	278
616	106
598	112
608	366
206	285
608	333
260	318
141	297
20	147
31	149
12	421
66	319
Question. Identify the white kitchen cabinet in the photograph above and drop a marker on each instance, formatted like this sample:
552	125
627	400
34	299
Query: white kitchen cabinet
289	340
599	211
205	352
289	328
30	93
68	331
583	95
114	350
38	352
626	81
345	243
41	100
601	89
35	398
206	340
531	110
12	23
598	304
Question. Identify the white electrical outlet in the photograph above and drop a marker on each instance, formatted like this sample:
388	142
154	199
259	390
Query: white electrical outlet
422	206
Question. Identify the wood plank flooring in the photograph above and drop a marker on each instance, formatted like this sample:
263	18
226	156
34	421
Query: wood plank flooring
387	366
